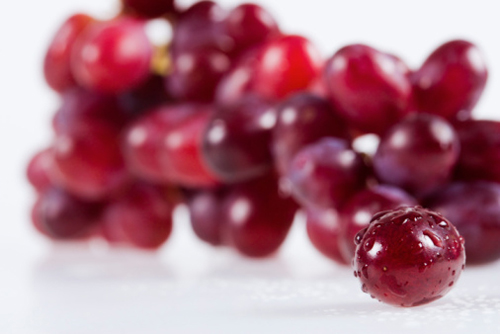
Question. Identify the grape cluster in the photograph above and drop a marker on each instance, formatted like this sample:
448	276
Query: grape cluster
245	124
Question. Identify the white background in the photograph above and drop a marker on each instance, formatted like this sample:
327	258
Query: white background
188	287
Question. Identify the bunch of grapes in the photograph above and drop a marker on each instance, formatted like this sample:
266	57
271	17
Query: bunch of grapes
246	124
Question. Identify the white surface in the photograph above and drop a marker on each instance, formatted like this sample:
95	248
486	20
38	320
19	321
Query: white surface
188	287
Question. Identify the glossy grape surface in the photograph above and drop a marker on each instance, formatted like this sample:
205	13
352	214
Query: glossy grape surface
237	141
142	217
408	257
112	56
327	173
303	119
418	154
371	89
451	80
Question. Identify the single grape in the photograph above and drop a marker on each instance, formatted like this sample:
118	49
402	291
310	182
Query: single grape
418	154
357	213
60	215
371	89
200	27
142	217
236	143
112	56
327	173
408	257
303	119
196	74
451	80
206	216
474	209
273	71
88	162
324	228
257	217
249	25
57	64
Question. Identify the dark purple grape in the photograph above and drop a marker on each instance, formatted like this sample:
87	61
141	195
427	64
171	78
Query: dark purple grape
303	119
237	140
61	215
418	154
206	216
327	173
196	74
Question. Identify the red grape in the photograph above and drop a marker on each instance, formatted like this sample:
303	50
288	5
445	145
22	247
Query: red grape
324	228
257	217
408	257
303	119
88	162
417	154
371	89
206	216
327	173
237	140
249	25
61	215
451	80
273	71
195	74
112	56
142	217
199	28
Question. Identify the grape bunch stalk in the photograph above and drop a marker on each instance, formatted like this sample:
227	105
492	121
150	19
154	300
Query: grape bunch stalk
246	124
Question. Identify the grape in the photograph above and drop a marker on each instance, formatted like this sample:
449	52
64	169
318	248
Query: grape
303	119
408	257
451	80
418	154
112	56
325	174
142	217
60	215
237	140
371	89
